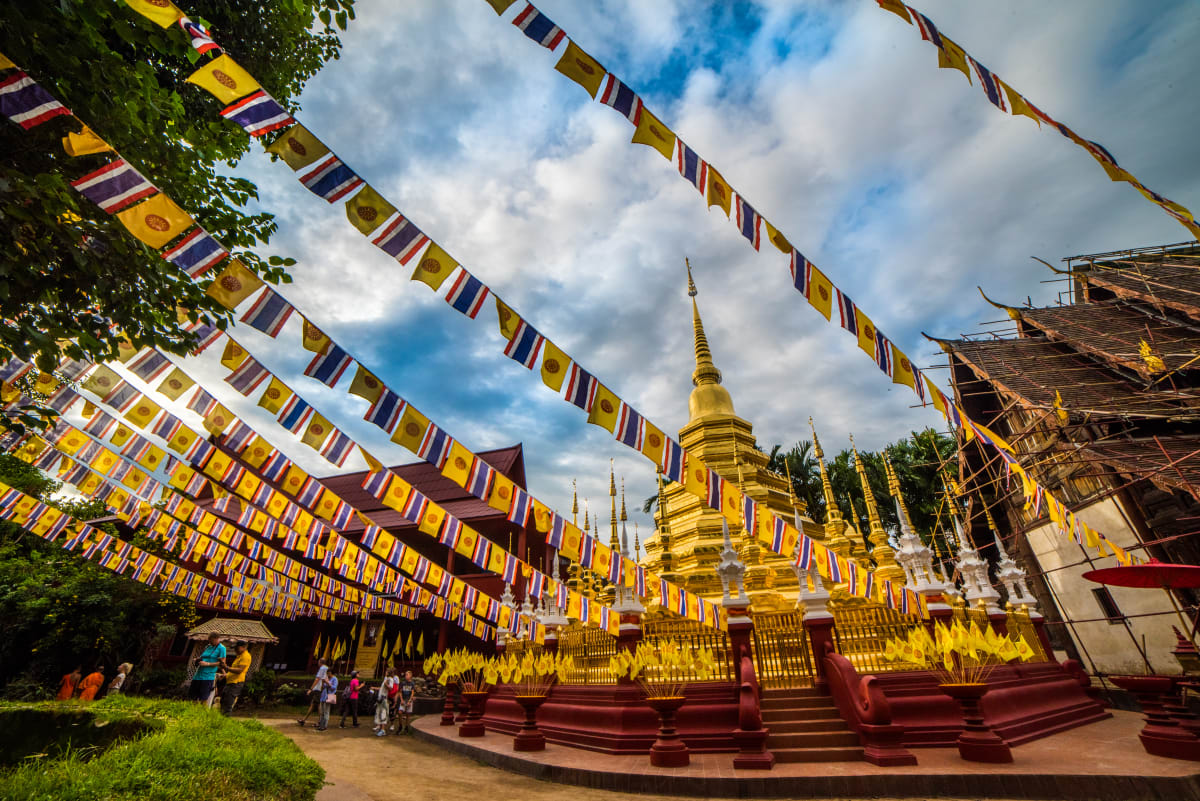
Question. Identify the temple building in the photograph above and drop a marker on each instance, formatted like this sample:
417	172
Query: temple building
1099	397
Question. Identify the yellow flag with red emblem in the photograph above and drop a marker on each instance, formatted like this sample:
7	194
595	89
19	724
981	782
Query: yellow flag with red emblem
224	79
434	267
156	220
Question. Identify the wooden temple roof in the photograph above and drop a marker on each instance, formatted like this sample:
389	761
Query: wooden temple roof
1170	461
1169	281
1032	370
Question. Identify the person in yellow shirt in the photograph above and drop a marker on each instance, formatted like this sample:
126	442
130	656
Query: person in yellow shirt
235	678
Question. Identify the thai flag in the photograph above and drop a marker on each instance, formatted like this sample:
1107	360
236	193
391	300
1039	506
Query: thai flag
26	103
616	94
422	571
271	526
581	387
952	413
377	483
114	186
248	376
683	604
399	238
386	410
481	552
329	178
290	513
883	353
310	490
202	403
149	366
639	581
269	313
239	437
435	446
835	567
750	516
749	222
520	507
328	367
295	414
587	551
852	577
122	396
479	481
631	427
467	294
470	594
616	568
804	551
846	309
778	532
13	370
310	547
195	486
342	515
868	584
538	27
557	528
525	345
62	399
451	533
206	335
258	114
929	31
338	448
585	608
716	490
693	168
202	40
100	424
137	448
991	86
275	466
673	460
801	270
415	506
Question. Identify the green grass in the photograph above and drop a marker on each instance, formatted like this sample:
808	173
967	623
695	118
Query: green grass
196	754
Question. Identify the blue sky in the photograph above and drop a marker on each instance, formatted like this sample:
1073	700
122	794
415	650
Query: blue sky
898	179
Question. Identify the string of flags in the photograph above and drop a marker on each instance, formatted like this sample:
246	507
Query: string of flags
998	92
327	176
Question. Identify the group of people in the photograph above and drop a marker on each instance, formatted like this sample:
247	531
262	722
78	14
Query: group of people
393	700
76	685
213	663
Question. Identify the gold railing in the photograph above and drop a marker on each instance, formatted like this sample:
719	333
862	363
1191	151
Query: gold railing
591	648
860	633
515	646
695	635
782	651
1021	625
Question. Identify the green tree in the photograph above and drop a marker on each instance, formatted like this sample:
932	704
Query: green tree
58	610
68	270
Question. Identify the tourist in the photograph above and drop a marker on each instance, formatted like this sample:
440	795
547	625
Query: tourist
91	683
114	686
383	702
68	684
316	690
235	677
405	706
211	658
350	700
328	701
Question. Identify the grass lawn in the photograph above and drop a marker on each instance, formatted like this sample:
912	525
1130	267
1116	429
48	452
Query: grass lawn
186	752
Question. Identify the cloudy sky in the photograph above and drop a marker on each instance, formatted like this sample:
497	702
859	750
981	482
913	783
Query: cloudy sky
898	179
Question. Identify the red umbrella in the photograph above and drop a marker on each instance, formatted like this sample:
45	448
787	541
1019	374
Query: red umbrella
1151	575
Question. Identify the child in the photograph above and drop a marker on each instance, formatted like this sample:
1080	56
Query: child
405	704
383	702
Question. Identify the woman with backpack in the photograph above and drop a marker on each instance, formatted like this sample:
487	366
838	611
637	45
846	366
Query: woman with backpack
383	701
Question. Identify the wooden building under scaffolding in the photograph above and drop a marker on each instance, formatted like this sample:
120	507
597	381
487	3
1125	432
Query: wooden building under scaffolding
1100	397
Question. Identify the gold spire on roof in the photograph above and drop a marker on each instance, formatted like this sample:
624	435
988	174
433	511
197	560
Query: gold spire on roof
637	545
893	481
613	541
574	504
868	495
832	512
708	397
881	550
624	514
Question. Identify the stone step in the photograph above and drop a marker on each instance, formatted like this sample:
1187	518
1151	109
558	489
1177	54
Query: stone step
812	725
846	754
797	692
826	710
811	739
796	704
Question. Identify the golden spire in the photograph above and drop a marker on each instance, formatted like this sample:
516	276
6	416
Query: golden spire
574	504
868	495
637	545
706	372
613	542
587	525
893	481
881	550
624	515
832	512
787	468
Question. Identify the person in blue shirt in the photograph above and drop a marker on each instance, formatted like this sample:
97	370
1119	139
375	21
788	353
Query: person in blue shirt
328	701
211	658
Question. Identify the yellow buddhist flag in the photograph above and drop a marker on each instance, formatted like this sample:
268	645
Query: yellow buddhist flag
313	338
374	464
1154	363
866	332
233	355
820	292
317	432
897	8
224	79
718	194
367	210
175	384
233	285
84	143
554	365
431	523
605	408
695	478
731	502
1019	104
183	440
162	12
247	485
497	559
411	428
142	412
500	6
104	461
6	63
581	68
778	239
951	56
156	220
502	492
152	458
125	349
651	132
276	395
509	320
365	385
218	420
459	463
902	369
257	452
294	481
182	477
298	147
434	267
572	542
465	547
653	442
543	518
397	493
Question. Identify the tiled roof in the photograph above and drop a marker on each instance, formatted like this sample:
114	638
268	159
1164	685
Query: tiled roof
1169	281
231	628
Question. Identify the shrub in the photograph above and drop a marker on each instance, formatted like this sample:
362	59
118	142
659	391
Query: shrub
197	754
259	685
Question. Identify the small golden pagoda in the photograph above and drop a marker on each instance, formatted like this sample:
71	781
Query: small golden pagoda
688	539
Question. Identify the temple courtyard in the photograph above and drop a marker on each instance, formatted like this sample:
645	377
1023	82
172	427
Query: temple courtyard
1099	761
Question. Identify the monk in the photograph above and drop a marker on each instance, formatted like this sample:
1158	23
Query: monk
66	687
91	683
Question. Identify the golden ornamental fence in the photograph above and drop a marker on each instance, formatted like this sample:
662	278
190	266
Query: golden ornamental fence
591	648
860	634
695	635
782	651
515	646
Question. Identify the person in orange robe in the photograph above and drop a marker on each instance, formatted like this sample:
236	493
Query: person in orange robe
91	683
66	687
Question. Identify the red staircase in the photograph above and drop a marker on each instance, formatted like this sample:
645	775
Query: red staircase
805	727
